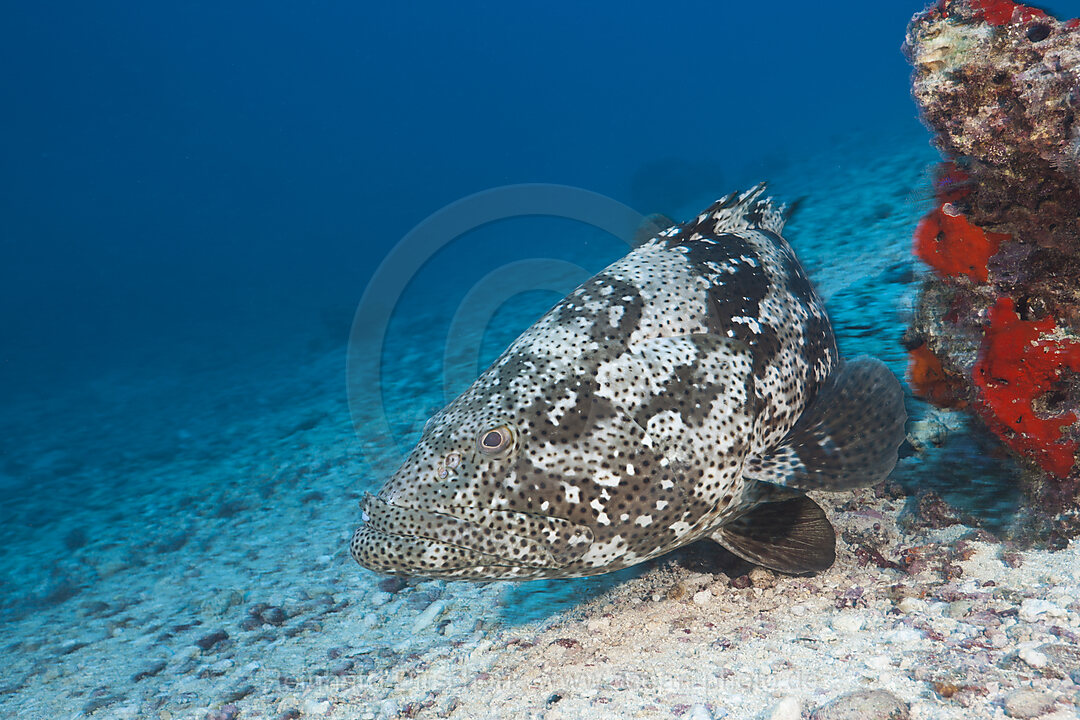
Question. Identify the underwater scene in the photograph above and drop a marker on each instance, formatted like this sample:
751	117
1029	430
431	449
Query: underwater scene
546	361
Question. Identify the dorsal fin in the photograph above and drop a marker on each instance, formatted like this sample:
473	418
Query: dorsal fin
650	227
747	210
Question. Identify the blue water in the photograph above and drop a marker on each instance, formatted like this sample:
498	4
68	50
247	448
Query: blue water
202	182
194	198
207	188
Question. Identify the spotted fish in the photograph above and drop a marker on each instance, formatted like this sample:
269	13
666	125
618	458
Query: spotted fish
690	390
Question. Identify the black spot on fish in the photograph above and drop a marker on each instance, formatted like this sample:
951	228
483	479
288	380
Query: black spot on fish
589	308
735	294
819	350
711	248
687	393
798	284
764	345
738	301
518	365
755	215
548	419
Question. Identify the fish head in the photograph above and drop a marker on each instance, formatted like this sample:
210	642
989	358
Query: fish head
520	477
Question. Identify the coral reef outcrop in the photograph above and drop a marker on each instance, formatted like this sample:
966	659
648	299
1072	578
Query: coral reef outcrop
997	324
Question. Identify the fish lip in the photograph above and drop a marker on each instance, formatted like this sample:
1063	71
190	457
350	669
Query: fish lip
377	516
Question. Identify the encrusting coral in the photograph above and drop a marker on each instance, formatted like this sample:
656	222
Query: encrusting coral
997	326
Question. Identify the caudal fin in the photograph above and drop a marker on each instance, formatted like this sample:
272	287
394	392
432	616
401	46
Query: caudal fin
846	438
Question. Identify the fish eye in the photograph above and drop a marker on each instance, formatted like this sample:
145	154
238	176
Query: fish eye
496	440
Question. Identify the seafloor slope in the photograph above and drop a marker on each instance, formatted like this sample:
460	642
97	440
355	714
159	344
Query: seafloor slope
204	573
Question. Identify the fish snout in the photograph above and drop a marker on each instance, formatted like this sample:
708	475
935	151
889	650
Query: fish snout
462	541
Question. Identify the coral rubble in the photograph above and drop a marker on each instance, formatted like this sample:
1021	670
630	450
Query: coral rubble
997	326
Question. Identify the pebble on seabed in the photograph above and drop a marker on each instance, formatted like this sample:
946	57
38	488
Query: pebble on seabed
863	705
273	615
698	712
1028	703
1033	658
787	709
228	712
208	641
762	578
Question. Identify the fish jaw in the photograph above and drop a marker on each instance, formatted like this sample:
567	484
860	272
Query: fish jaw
445	542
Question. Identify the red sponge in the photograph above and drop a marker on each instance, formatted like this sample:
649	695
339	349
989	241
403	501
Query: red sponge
1018	363
1002	12
953	246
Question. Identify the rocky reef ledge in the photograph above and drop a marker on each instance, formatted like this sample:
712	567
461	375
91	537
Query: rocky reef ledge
997	324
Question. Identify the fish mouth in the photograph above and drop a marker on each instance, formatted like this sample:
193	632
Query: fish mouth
462	541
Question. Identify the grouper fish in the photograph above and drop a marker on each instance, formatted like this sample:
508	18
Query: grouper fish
692	389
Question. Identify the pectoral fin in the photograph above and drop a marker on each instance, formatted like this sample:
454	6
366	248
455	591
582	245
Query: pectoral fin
846	438
792	536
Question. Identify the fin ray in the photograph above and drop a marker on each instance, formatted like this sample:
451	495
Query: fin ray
747	210
847	437
792	536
